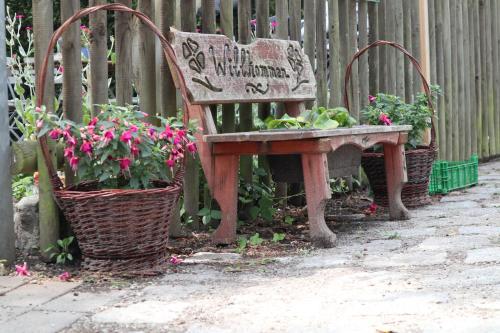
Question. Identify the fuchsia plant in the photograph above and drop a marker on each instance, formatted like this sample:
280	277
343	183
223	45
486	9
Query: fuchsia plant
120	148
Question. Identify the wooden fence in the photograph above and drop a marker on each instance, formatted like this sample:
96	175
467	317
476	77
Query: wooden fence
457	41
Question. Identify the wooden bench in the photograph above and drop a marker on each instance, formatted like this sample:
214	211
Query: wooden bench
211	69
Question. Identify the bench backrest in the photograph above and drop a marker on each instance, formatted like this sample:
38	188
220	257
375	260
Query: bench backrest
218	70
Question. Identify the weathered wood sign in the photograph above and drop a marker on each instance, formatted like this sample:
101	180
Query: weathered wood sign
218	70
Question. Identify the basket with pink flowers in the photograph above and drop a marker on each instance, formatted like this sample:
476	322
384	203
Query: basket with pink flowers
129	171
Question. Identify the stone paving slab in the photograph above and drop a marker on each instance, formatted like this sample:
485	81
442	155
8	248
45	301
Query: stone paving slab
82	302
9	312
12	282
36	294
490	254
39	322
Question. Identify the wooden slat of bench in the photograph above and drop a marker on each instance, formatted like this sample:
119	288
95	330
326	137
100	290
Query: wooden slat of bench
284	135
272	148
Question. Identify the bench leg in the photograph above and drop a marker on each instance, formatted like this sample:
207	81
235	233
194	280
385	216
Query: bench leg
395	169
317	193
225	191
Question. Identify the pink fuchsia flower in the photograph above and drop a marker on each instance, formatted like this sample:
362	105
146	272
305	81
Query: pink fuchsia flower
384	119
86	148
73	163
38	109
253	22
191	147
60	69
69	152
55	134
135	151
125	163
175	260
371	98
28	28
274	24
65	276
133	128
170	163
167	133
126	137
372	209
94	121
22	270
71	141
108	136
20	16
39	124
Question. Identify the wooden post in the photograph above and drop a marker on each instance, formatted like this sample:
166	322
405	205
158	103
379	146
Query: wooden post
448	90
321	68
72	78
192	178
246	117
382	52
418	38
478	119
295	18
310	35
353	47
263	32
460	70
489	70
167	92
390	34
496	69
407	27
485	147
474	105
123	47
98	56
439	47
400	58
7	235
467	80
454	75
48	212
147	73
373	54
226	24
364	82
336	78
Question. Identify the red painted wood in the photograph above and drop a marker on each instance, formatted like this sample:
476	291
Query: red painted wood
395	169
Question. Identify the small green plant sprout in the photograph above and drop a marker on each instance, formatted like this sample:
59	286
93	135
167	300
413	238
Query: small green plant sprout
394	235
242	244
208	214
256	240
278	237
60	250
289	220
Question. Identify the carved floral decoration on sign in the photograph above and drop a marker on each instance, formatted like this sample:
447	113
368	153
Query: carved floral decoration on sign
191	51
297	62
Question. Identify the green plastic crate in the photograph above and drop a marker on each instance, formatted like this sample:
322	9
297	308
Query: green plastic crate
448	176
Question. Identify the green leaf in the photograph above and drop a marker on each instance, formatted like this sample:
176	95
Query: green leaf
70	256
255	240
216	214
278	237
254	212
204	211
289	220
324	122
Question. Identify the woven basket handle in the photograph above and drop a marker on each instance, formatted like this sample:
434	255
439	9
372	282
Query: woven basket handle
415	63
41	77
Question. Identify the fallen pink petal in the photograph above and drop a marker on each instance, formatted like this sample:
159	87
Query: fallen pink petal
175	260
22	270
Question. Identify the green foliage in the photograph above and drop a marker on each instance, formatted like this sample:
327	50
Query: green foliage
289	220
317	118
339	185
61	251
242	244
119	148
417	114
256	240
22	186
208	214
278	237
257	197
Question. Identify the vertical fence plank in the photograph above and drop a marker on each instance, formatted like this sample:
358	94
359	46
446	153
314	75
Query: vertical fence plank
72	78
467	79
490	118
343	6
168	94
226	24
407	25
460	70
496	70
123	47
390	28
191	179
48	212
478	128
448	90
353	48
335	82
147	57
454	75
208	16
245	110
373	54
485	147
364	82
415	42
263	31
440	69
321	68
382	52
295	10
98	56
310	34
400	58
474	105
7	235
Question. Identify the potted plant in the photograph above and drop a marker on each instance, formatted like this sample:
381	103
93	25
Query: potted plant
387	109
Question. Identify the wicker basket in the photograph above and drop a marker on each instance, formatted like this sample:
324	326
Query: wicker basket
119	231
418	161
